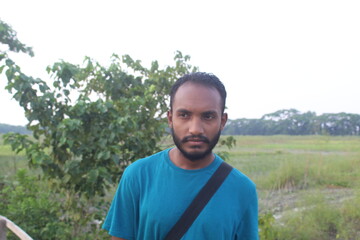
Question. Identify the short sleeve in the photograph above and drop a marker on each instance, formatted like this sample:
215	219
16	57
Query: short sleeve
122	218
248	228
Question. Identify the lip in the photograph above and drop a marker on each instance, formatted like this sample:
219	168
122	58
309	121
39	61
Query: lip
197	142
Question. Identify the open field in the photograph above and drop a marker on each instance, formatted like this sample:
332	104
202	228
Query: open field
309	185
285	162
303	178
288	164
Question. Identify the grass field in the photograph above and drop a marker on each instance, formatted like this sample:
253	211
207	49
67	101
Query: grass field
309	185
298	162
288	164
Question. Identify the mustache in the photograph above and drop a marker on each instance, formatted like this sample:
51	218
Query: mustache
199	138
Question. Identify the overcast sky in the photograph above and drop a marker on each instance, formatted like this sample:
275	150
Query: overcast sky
271	55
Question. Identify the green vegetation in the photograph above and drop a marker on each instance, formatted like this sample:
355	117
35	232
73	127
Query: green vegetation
44	214
80	146
87	126
309	188
293	122
297	162
10	162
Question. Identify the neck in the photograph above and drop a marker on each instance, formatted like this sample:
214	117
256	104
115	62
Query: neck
181	161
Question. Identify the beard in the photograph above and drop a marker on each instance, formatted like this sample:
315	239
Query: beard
211	143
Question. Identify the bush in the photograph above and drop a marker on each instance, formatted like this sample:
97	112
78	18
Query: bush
46	215
32	207
266	227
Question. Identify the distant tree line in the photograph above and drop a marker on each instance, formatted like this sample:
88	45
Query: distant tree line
293	122
287	122
6	128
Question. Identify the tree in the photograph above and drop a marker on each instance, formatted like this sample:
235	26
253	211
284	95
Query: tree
338	124
93	120
292	122
89	122
9	37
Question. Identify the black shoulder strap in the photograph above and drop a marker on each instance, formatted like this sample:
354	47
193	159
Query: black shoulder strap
199	202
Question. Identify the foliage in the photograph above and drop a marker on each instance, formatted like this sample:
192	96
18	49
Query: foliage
331	163
9	37
45	214
87	124
229	143
266	227
93	120
32	207
292	122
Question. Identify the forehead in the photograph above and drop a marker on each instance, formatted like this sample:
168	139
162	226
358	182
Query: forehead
193	96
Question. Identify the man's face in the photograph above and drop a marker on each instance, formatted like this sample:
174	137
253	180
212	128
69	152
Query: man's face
196	120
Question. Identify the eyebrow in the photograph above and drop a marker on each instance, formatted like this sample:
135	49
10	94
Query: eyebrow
183	111
210	112
203	113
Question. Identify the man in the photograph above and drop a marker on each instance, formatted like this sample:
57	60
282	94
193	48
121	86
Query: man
155	191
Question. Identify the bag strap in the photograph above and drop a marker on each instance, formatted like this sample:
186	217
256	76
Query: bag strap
199	202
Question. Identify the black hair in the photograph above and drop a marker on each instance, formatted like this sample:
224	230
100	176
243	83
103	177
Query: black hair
206	79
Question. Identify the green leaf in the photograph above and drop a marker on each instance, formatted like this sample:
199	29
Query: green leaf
83	142
92	175
66	92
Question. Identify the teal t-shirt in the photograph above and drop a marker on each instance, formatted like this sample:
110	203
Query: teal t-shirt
153	193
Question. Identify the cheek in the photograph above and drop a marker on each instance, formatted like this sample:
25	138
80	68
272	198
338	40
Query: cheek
218	128
211	129
179	127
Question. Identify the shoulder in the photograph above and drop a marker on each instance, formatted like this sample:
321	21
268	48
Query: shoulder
239	177
146	164
237	181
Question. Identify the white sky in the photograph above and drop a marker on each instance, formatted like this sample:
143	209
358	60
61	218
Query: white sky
270	54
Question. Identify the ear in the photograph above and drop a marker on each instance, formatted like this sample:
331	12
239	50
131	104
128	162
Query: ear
169	118
224	119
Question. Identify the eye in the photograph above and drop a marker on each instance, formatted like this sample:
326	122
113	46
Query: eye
184	115
209	116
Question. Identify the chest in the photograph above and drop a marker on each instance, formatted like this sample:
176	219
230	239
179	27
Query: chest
164	200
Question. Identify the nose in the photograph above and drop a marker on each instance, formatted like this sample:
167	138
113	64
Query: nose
196	127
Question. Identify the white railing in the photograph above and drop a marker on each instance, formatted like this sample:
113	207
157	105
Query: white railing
7	224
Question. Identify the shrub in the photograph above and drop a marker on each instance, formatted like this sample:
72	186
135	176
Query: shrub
32	207
266	227
47	215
